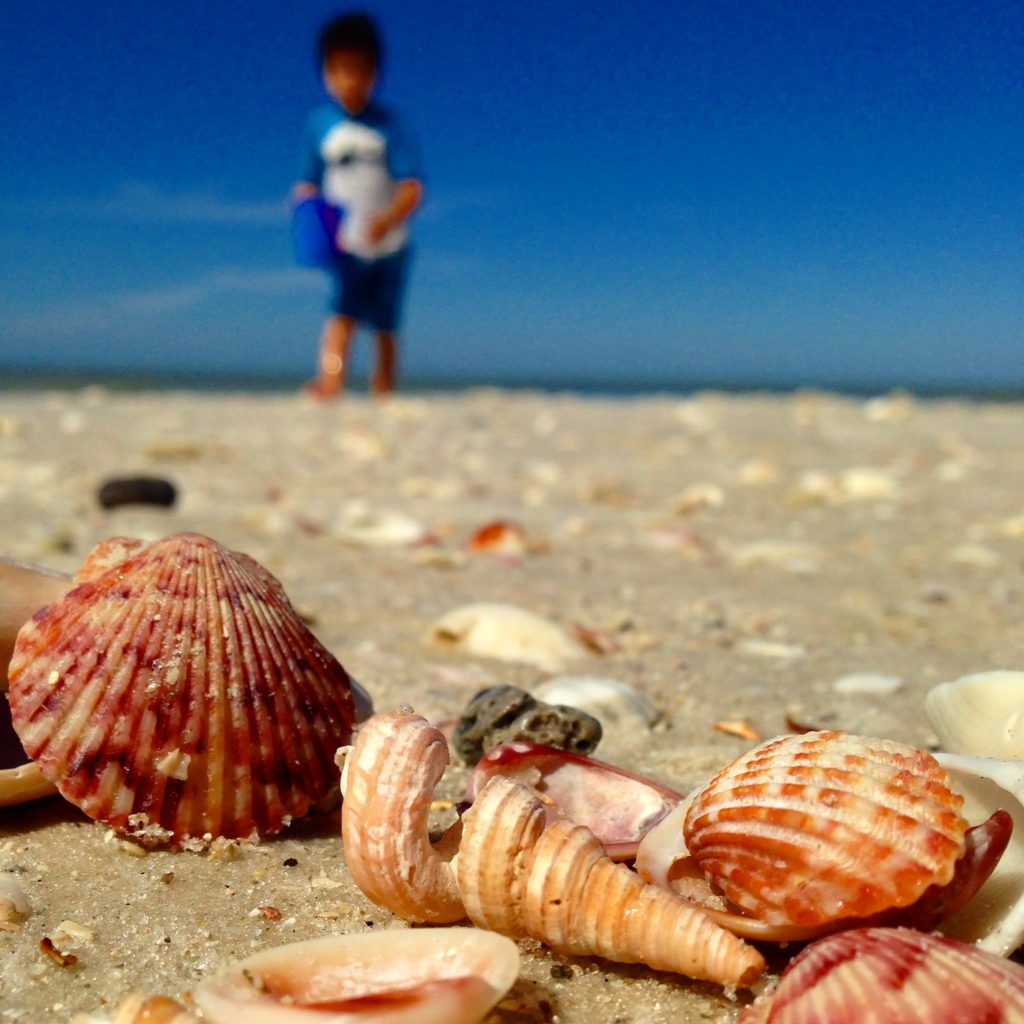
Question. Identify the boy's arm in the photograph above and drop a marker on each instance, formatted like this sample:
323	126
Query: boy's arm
408	196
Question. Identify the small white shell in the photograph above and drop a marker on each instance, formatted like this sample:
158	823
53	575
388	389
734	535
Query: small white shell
368	527
14	904
980	714
618	707
419	976
994	918
506	632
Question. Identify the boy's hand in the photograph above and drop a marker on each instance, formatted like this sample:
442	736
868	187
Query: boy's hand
303	190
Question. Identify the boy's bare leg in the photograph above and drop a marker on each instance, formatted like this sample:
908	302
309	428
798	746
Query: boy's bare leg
335	343
383	381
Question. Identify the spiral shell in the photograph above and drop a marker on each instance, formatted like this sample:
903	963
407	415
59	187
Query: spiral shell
815	829
892	976
175	694
513	873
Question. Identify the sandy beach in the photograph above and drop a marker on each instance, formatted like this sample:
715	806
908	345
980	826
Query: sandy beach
762	559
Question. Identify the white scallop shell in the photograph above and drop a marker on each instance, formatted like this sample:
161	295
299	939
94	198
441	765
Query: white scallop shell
994	918
980	714
419	976
506	632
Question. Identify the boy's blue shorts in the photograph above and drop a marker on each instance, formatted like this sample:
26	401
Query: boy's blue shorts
370	291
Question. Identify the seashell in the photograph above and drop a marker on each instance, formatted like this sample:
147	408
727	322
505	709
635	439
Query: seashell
506	632
980	714
14	904
435	976
177	695
867	682
866	483
552	881
698	497
378	527
792	556
499	537
513	874
814	829
384	819
619	807
23	589
622	709
502	714
139	1009
892	976
995	919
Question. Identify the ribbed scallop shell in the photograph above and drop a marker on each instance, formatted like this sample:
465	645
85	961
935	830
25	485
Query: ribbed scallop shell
176	694
892	976
817	828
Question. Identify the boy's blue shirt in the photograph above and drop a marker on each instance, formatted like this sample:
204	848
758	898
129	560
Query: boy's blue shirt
356	161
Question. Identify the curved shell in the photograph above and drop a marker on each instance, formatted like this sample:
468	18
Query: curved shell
384	819
140	1009
995	920
435	976
892	976
813	829
620	708
980	714
506	632
512	873
176	694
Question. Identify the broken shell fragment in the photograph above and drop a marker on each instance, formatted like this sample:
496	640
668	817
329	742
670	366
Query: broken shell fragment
14	904
619	807
890	975
513	873
176	694
994	920
503	714
811	830
499	537
435	976
508	633
981	714
140	1009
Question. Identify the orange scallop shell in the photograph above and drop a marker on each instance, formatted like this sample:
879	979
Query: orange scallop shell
174	694
823	827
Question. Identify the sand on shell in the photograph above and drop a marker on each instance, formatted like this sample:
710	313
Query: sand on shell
736	556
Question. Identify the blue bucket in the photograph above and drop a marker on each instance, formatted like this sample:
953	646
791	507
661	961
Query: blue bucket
315	231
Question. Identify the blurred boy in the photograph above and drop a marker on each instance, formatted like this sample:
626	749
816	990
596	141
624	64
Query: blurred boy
358	156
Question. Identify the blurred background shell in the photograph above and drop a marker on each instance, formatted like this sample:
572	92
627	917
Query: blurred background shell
176	694
981	714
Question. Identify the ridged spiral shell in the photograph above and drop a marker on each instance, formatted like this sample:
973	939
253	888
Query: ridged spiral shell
174	693
826	826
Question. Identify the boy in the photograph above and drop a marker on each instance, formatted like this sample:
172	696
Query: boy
359	157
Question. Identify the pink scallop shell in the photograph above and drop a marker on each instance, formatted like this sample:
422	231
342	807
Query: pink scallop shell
176	694
823	827
892	976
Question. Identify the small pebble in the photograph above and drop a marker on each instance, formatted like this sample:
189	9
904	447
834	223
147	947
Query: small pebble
137	490
502	714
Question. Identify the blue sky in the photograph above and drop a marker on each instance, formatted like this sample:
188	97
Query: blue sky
753	191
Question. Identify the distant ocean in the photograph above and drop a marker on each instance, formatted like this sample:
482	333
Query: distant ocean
26	379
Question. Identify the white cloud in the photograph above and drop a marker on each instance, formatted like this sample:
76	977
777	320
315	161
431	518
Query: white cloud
118	310
142	202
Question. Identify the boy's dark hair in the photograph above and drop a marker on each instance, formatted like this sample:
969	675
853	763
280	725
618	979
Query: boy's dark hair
355	31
